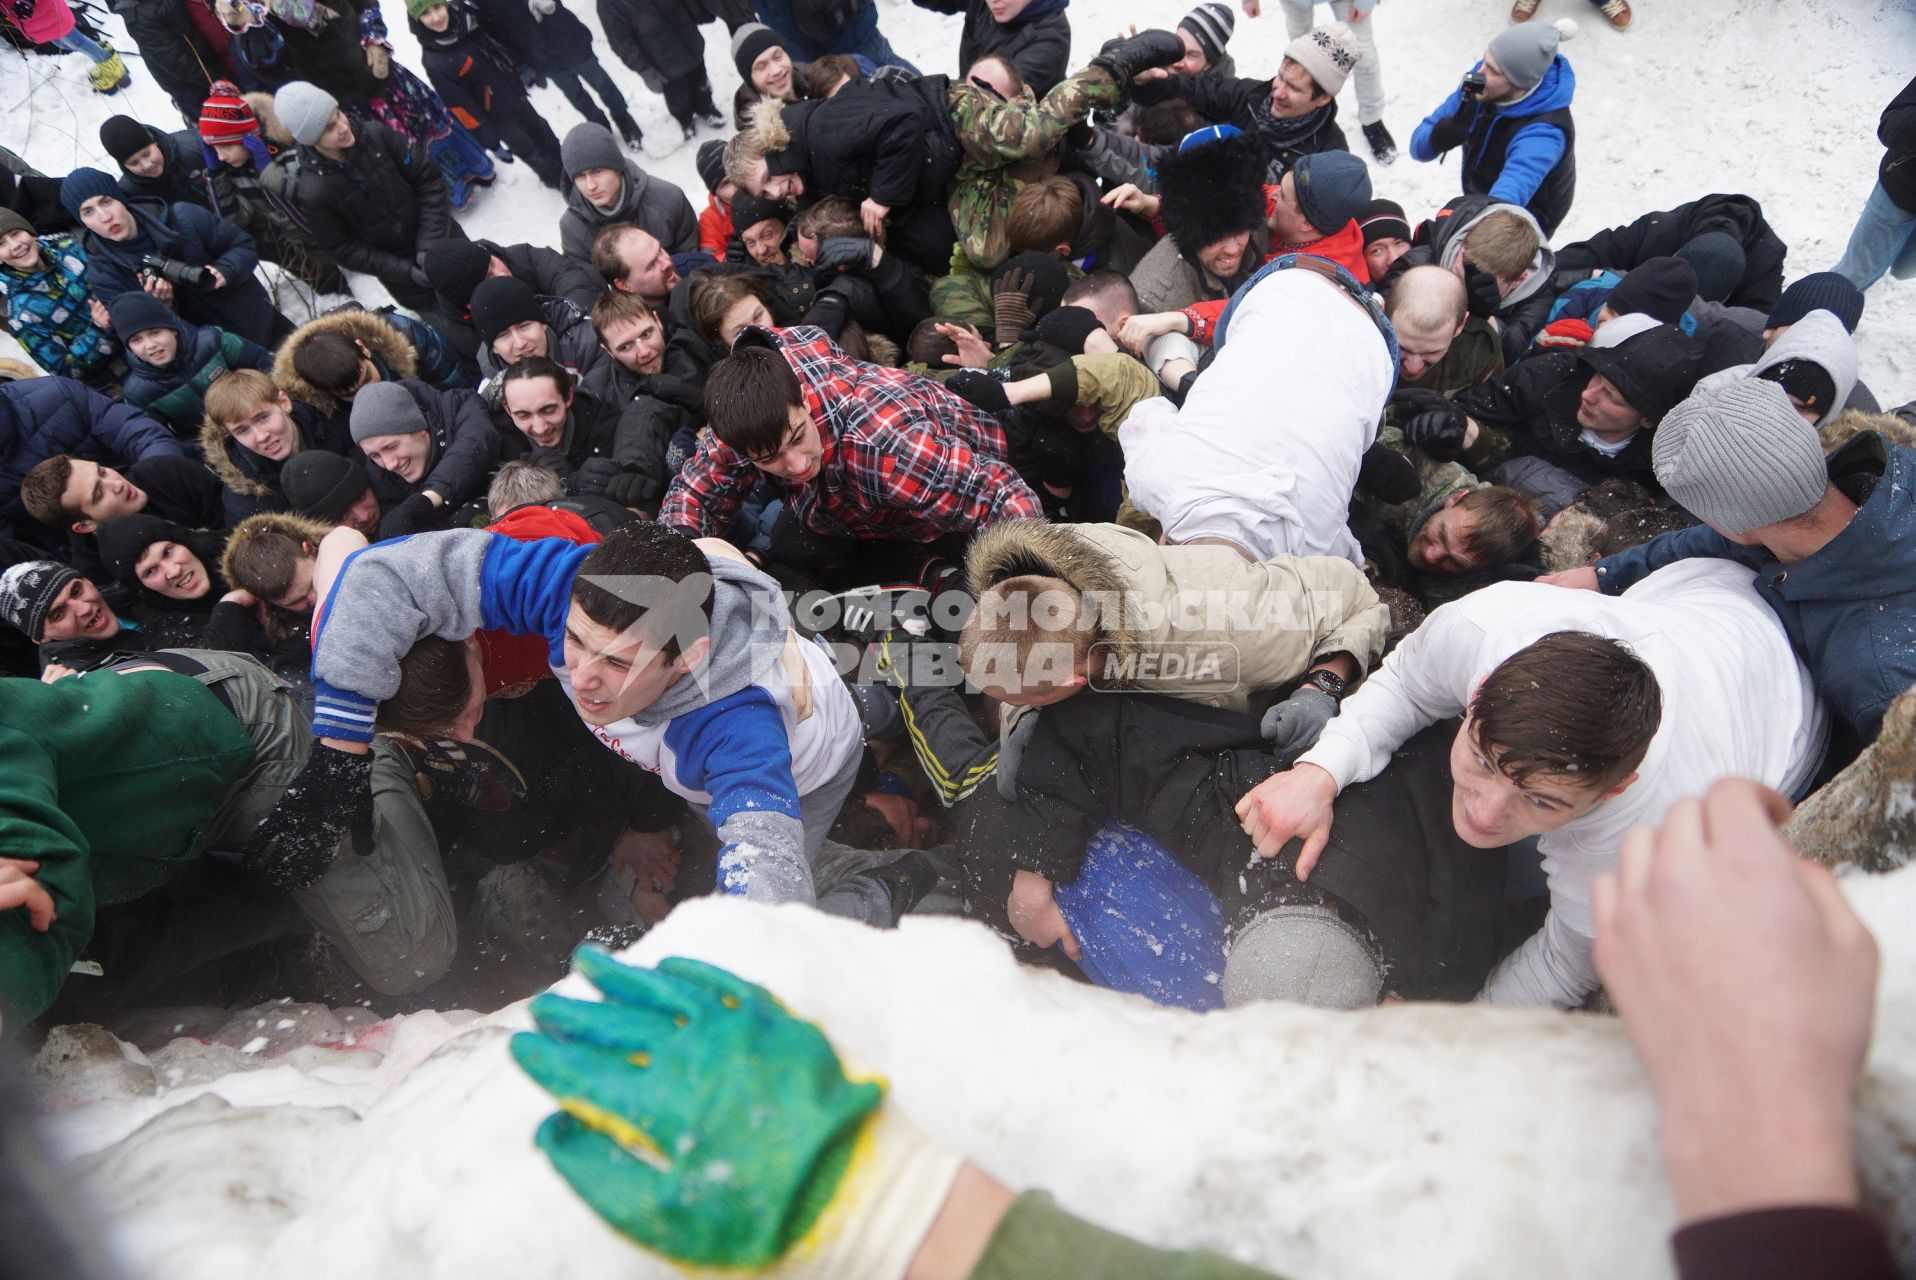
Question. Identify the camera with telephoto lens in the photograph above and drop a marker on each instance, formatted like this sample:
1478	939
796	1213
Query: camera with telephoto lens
1473	83
181	275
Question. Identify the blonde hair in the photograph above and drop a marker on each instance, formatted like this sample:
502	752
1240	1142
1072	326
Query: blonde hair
1504	242
1028	632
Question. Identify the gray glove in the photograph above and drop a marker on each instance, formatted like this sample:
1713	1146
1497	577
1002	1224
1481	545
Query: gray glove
1293	724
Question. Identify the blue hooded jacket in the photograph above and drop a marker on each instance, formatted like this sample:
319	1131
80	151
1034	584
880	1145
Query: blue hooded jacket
1532	151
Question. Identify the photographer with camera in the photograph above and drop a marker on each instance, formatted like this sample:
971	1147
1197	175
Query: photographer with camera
194	261
1511	116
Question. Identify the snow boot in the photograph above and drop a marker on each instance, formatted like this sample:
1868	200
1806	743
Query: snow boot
1382	145
629	129
111	76
1617	11
1523	10
504	155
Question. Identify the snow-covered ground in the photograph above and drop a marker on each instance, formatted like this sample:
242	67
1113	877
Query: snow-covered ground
1460	1141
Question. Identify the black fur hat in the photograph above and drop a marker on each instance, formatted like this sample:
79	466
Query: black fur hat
1212	190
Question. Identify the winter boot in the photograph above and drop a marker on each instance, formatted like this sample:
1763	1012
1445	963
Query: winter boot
110	76
504	155
1617	11
629	129
906	880
1382	145
1123	59
1523	10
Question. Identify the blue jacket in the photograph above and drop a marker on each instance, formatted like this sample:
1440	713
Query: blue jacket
176	394
1530	153
197	238
40	417
1850	609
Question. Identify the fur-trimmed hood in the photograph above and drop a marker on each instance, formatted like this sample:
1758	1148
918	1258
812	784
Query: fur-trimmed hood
765	121
269	126
223	454
387	345
288	523
1015	548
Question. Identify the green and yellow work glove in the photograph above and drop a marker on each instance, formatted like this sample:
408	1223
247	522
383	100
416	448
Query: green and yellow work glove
702	1120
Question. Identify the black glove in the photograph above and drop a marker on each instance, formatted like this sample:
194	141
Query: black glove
549	458
419	277
1448	132
630	489
980	388
1438	432
332	797
844	251
1387	475
592	477
416	514
1483	297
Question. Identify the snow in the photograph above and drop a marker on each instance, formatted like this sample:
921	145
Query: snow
1476	1140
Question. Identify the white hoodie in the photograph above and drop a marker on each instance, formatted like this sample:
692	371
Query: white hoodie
1736	703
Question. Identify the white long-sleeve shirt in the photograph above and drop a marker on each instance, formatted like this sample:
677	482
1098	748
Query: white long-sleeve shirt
1736	703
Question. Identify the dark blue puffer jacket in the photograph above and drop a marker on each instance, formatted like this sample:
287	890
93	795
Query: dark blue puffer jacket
200	239
40	417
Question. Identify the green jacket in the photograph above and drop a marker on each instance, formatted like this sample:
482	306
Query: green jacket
1037	1240
109	782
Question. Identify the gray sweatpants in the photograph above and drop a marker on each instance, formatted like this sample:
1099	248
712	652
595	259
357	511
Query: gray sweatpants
387	909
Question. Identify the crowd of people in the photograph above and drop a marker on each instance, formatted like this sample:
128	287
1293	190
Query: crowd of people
1072	496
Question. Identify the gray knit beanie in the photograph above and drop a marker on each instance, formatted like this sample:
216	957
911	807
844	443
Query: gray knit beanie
305	109
1740	457
385	409
1304	955
28	590
1526	51
590	146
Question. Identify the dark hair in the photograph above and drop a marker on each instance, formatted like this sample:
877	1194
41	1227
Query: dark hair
329	360
1502	523
434	687
1101	286
829	70
749	396
1628	529
1164	124
831	216
540	367
927	346
1573	706
713	293
42	489
860	826
648	576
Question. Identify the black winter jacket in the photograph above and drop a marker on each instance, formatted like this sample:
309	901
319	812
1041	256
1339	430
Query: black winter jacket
892	142
174	52
556	42
189	234
1661	234
1897	132
1037	42
183	179
375	210
657	35
646	423
1228	100
466	449
1530	410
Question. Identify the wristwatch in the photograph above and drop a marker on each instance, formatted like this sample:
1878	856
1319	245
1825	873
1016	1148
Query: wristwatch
1328	682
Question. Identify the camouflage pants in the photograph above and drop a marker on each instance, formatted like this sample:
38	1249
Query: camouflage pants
996	136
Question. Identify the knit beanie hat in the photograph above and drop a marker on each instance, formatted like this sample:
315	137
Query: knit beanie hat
1066	329
748	42
1820	291
226	116
384	409
122	538
1652	371
1211	26
1660	287
136	311
123	137
711	163
1717	259
416	7
28	590
1803	380
1740	457
1332	189
1048	280
749	210
11	221
590	146
1328	53
501	302
305	109
1383	220
1526	51
455	268
322	484
82	185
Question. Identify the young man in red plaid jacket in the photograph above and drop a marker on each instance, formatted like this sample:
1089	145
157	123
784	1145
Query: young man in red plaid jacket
859	453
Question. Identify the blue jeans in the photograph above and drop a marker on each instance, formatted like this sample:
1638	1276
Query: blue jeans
78	41
1884	240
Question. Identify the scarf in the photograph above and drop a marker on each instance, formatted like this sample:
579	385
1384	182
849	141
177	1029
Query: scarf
1286	135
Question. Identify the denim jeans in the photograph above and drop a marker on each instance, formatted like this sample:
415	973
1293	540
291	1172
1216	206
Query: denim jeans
78	41
1884	240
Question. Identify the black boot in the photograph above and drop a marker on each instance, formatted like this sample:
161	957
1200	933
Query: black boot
1382	145
1124	58
629	129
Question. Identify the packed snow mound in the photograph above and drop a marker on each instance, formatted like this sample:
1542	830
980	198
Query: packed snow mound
1327	1146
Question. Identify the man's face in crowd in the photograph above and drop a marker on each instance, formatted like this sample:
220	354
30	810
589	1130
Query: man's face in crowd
617	675
600	186
233	155
100	492
527	338
1193	62
1223	258
1380	253
171	569
639	345
269	429
1006	10
995	74
437	18
78	613
761	183
108	218
648	267
404	455
1441	544
538	409
19	250
1416	352
1603	410
339	134
1488	810
363	515
761	240
147	162
1287	220
746	313
902	816
800	455
772	73
299	594
155	346
806	247
1294	93
496	267
1497	86
367	374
